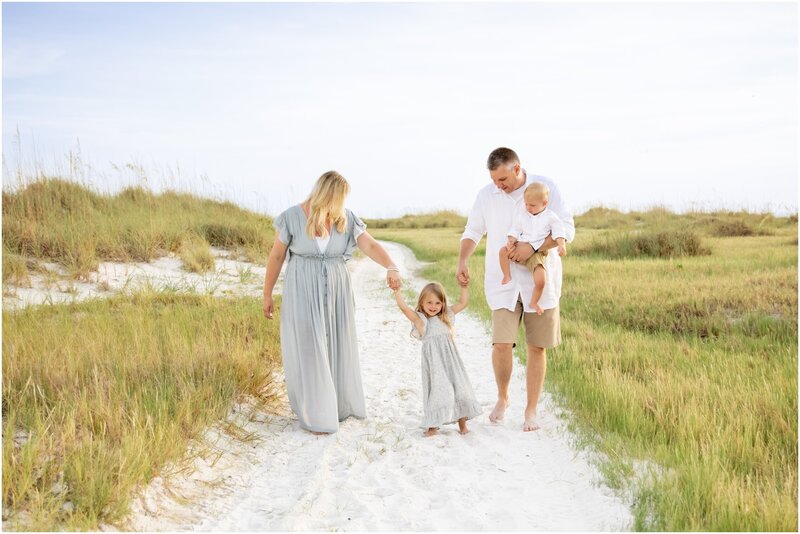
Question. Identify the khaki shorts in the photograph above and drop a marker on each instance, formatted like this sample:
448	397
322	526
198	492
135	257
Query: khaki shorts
535	260
540	330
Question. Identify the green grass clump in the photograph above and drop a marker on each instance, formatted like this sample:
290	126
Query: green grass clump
687	362
197	257
104	393
733	229
57	220
653	244
15	269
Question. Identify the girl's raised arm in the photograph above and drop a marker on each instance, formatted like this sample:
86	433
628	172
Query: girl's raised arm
462	302
408	312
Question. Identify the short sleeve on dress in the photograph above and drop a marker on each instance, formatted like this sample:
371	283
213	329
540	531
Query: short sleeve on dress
359	226
355	227
414	332
281	229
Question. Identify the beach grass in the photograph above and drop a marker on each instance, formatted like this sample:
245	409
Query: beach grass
99	396
71	224
681	369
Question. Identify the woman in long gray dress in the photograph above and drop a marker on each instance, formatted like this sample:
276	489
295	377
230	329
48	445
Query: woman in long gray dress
318	334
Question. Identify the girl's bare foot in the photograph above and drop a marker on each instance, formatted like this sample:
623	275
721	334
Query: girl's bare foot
462	426
431	432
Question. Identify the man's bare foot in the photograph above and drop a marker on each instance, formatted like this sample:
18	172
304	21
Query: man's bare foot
530	422
506	279
462	426
499	410
430	432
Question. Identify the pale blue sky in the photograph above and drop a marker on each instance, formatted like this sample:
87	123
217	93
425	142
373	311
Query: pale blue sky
626	105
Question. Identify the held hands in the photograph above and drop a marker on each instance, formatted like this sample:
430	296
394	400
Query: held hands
462	275
393	279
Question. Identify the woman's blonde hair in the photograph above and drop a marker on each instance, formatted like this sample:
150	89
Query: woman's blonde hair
326	202
437	289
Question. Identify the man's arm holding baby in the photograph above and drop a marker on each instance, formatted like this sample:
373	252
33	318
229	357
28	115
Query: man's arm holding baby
559	208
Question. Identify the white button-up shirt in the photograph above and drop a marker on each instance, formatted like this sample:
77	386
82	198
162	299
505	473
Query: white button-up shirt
492	215
534	229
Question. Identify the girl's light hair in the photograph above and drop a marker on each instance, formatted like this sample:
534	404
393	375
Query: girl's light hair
437	289
537	191
326	202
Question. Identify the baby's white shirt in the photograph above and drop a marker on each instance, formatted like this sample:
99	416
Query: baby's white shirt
534	229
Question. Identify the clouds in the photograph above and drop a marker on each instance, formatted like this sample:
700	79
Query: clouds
623	104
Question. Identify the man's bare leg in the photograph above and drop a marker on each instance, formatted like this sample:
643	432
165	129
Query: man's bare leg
536	369
503	364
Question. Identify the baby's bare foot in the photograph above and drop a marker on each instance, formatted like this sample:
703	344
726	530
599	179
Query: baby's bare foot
506	279
430	432
538	309
499	410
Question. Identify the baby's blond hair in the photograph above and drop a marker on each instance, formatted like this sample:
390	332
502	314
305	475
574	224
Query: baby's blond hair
537	191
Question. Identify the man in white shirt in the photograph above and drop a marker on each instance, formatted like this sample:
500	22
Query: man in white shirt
492	215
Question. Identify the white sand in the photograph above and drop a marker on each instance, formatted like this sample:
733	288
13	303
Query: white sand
230	277
380	473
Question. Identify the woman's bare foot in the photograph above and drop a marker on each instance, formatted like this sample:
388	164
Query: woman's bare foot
462	426
431	432
499	410
530	422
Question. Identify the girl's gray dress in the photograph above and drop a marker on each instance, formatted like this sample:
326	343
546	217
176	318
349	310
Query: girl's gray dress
318	331
447	394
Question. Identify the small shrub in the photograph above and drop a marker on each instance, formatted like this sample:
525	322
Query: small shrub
666	244
732	229
15	269
197	257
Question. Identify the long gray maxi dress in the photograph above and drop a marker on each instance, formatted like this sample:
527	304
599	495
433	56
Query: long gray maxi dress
447	394
318	329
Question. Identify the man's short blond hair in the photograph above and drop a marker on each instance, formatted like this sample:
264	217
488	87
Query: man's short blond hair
537	191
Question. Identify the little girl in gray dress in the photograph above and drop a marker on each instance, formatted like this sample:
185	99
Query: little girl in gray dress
446	391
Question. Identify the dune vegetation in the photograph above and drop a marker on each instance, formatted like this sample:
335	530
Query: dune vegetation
680	365
61	221
100	396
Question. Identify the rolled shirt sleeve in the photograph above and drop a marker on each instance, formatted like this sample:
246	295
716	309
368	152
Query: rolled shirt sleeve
476	222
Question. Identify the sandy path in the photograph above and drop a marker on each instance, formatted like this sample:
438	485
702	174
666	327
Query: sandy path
380	473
